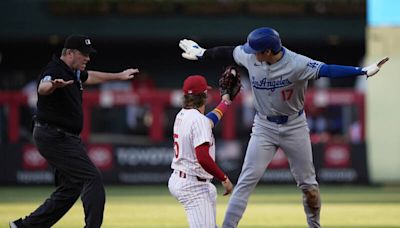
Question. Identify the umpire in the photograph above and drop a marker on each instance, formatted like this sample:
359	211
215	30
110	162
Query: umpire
56	132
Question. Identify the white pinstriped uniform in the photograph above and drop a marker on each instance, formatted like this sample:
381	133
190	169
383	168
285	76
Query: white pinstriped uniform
191	129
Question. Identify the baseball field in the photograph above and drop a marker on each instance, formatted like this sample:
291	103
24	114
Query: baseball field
270	206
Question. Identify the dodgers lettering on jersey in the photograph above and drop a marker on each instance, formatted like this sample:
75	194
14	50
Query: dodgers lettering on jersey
270	85
278	89
191	129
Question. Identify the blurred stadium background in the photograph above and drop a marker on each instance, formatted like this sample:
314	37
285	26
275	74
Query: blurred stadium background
354	123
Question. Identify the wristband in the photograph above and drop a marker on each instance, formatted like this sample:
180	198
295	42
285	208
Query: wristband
216	114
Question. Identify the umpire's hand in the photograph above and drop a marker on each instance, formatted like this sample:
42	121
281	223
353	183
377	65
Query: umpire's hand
48	86
59	83
128	74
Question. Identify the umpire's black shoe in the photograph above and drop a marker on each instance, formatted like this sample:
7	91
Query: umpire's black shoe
16	224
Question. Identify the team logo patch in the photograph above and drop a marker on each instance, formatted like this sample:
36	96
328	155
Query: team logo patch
46	78
87	42
312	64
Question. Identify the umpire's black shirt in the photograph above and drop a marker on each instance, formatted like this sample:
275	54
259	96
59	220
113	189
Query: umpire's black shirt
63	107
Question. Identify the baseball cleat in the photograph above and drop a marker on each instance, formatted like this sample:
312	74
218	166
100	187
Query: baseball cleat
12	225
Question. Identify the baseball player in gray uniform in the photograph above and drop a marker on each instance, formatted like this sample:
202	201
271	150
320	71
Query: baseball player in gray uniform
279	79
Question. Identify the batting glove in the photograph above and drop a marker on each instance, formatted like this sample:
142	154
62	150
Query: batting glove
192	50
371	70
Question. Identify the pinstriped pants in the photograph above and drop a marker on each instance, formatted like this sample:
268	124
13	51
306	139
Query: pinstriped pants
198	199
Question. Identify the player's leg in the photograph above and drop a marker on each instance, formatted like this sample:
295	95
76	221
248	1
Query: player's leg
297	146
201	210
312	204
260	152
198	200
212	197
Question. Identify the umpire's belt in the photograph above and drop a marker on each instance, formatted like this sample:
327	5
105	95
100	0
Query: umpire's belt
59	129
190	177
281	119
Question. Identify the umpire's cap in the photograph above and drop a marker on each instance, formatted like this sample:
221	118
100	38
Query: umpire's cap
262	39
195	84
79	42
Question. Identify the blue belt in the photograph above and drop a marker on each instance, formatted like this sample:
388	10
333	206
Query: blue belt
282	119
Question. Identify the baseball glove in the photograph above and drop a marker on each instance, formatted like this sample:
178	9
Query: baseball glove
229	82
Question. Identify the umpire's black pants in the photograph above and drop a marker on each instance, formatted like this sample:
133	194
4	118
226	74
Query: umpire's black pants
75	175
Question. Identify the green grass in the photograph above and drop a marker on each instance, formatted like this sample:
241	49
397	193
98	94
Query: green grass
269	206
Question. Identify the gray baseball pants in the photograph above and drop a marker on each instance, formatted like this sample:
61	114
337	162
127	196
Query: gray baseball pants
266	137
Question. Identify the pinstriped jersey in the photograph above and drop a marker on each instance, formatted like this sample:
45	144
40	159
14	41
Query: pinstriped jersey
279	88
191	129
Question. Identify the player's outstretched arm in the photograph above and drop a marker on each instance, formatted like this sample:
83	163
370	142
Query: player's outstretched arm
339	71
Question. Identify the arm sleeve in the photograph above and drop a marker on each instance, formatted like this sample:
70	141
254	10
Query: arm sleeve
338	71
217	113
224	53
53	73
208	163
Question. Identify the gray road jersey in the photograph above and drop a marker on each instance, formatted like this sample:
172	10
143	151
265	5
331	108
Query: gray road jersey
278	89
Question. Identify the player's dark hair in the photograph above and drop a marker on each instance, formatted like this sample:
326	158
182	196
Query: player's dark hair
194	100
